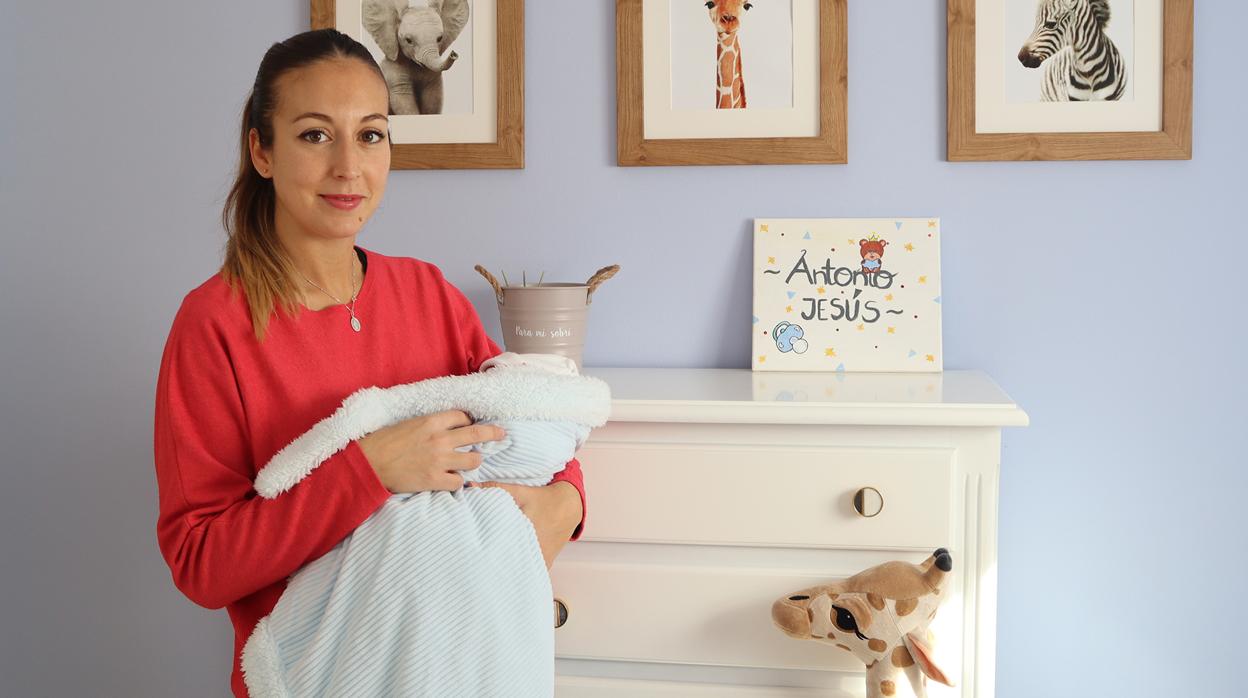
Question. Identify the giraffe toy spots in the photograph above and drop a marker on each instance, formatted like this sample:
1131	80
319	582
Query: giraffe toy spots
880	615
729	83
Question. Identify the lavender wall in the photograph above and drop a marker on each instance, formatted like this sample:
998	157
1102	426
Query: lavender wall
1105	297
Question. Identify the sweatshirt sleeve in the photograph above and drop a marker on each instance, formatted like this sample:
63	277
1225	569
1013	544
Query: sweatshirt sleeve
222	541
571	473
478	347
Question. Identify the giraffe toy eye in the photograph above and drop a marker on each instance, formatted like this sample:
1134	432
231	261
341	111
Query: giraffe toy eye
845	621
710	4
747	6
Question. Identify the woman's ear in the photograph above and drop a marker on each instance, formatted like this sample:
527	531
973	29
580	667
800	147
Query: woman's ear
259	157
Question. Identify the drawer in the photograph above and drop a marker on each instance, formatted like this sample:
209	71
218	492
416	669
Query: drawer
699	614
752	494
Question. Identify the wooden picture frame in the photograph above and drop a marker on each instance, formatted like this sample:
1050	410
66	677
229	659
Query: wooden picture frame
1172	142
507	151
829	146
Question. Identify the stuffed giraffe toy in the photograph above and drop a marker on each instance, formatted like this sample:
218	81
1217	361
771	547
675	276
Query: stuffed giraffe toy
729	85
880	615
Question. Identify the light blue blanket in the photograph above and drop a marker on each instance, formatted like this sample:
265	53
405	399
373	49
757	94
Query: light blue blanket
437	593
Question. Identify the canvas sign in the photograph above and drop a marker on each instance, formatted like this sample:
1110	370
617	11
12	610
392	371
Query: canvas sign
841	294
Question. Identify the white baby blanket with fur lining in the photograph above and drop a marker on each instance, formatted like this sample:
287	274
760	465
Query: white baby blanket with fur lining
436	593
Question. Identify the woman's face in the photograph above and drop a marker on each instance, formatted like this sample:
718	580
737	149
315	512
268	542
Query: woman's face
330	139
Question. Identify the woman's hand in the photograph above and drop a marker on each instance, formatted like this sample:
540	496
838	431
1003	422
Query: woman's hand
418	454
554	509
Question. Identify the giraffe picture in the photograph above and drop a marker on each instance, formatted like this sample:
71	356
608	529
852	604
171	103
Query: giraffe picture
731	54
731	82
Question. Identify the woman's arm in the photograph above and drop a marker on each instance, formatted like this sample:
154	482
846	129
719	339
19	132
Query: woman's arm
553	509
220	540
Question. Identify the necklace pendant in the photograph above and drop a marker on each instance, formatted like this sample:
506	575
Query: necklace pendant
355	323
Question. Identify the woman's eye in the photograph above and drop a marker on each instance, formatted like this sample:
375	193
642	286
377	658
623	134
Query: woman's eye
312	133
380	136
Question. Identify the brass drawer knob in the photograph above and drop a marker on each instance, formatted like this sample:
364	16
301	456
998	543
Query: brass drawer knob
561	613
868	502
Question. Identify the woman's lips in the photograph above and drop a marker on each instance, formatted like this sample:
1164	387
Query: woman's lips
345	203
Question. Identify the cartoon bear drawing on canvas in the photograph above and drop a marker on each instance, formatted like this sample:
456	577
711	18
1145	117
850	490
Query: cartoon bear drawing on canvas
872	251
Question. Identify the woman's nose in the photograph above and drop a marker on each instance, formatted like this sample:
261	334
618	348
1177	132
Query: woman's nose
346	161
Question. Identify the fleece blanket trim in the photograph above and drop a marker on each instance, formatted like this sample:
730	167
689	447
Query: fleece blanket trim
497	394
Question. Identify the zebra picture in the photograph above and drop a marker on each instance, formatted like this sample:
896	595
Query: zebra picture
1079	61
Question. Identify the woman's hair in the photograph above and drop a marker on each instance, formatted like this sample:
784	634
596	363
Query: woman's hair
254	256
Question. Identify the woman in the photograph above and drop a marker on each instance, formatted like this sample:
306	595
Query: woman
298	318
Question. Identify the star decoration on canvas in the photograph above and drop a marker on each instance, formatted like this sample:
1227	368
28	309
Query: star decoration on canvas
771	260
888	297
861	327
909	247
829	352
762	359
930	224
763	227
931	357
922	279
821	290
788	308
892	330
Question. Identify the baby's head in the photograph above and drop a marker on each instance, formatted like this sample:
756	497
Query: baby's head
552	363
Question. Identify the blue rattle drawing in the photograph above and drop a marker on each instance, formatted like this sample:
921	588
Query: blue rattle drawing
788	337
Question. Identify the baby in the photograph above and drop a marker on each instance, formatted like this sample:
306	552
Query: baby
524	455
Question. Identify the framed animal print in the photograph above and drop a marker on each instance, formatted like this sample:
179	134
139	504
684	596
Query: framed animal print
455	71
730	82
1069	79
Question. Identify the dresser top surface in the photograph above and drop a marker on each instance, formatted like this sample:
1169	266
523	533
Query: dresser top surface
948	398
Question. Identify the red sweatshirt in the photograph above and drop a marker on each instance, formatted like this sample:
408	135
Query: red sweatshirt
226	403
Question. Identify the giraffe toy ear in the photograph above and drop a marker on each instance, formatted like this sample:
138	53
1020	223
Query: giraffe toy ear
922	655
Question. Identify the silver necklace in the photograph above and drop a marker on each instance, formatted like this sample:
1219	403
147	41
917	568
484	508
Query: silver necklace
355	322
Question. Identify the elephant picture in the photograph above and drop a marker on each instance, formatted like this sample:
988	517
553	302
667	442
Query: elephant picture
415	37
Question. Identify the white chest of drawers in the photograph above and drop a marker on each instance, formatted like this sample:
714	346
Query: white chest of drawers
713	491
